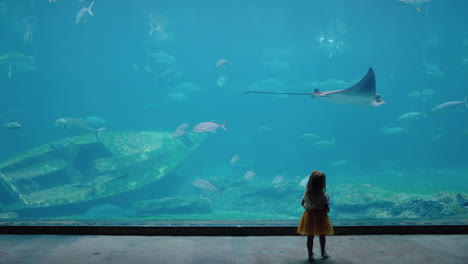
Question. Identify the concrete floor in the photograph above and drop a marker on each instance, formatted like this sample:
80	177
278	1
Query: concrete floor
447	249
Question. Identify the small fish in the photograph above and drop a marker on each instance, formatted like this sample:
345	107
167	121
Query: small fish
340	163
161	58
448	106
464	61
393	131
157	28
73	123
154	25
461	201
418	4
249	175
12	125
207	186
234	159
410	116
309	137
264	129
209	126
29	23
81	16
222	63
178	96
222	81
324	143
17	61
187	87
428	93
434	71
414	94
278	180
180	130
276	66
10	70
78	125
28	36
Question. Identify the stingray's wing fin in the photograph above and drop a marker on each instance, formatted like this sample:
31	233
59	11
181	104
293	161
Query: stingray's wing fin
365	87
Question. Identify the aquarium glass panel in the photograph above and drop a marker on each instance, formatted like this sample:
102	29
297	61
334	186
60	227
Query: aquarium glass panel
177	110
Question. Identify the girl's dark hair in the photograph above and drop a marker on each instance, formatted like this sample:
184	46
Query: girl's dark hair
316	184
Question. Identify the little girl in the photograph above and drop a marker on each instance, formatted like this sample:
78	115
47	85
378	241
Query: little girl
314	220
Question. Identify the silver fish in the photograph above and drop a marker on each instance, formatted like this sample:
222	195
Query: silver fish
393	131
222	80
181	130
10	70
340	163
73	123
209	126
309	137
81	16
207	186
78	125
12	125
411	115
278	180
29	23
17	61
324	144
249	175
234	159
418	4
445	107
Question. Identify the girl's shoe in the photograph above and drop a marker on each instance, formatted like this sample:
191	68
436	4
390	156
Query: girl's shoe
325	255
311	258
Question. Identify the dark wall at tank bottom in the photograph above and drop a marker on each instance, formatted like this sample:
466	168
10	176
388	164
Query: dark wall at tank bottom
226	230
229	228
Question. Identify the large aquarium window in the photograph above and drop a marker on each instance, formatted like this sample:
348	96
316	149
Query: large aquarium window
219	110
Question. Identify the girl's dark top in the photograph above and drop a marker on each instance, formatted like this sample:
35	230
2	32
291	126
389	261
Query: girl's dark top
320	202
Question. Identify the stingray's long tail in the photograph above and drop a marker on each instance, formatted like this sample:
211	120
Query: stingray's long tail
277	93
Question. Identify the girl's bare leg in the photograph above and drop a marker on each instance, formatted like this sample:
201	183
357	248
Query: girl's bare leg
323	242
310	245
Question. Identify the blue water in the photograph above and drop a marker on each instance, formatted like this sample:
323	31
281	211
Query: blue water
101	68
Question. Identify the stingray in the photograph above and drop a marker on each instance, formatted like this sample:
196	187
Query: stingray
361	94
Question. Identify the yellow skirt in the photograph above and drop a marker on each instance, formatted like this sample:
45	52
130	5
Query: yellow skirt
315	223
